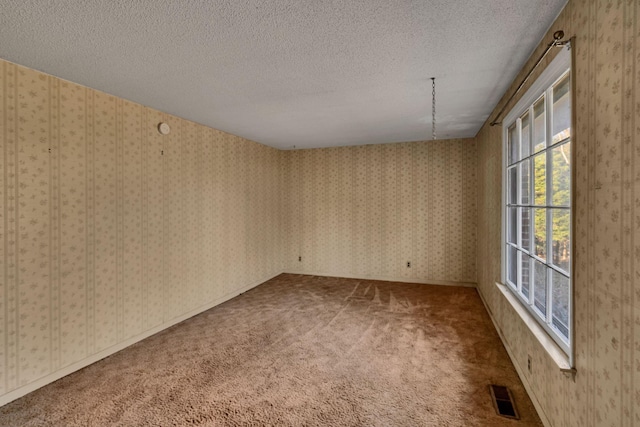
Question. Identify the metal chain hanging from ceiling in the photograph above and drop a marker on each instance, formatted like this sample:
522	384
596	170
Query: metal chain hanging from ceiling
433	107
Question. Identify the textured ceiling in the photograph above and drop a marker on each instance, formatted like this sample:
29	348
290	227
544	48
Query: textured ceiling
309	73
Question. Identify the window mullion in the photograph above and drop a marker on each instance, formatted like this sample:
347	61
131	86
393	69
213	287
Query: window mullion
549	274
531	197
549	200
519	137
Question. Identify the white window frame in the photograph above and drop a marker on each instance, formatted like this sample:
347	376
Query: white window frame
554	71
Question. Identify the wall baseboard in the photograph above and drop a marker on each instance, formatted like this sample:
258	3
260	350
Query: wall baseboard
386	279
28	388
519	370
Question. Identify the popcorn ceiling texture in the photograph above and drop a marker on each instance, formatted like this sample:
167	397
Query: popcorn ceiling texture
300	350
95	240
606	391
288	72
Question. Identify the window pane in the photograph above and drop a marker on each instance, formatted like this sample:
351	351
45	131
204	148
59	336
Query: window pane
540	179
539	131
525	141
537	192
525	266
561	175
561	238
540	287
561	110
560	303
512	137
512	264
525	182
525	228
513	185
512	225
540	233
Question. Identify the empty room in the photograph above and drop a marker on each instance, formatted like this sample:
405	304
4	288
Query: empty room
320	213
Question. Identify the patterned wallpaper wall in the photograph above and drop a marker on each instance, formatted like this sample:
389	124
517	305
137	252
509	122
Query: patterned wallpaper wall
103	237
606	391
366	211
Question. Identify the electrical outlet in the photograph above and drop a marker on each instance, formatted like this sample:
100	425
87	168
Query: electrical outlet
300	258
529	363
408	264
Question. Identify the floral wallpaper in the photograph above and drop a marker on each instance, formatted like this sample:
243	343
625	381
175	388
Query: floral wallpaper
606	389
110	229
367	211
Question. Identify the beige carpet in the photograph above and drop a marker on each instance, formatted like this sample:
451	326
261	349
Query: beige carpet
299	350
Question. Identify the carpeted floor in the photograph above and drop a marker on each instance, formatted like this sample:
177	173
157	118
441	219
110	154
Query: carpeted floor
299	350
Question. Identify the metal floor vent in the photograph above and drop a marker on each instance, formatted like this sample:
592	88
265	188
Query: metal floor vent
503	401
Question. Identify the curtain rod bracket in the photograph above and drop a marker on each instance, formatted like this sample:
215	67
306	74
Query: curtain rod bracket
557	42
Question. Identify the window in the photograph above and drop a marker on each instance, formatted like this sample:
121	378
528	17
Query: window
537	200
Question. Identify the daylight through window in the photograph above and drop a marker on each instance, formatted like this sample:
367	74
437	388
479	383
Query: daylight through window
537	207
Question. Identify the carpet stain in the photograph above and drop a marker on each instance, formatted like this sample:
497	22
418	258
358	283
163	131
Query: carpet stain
299	351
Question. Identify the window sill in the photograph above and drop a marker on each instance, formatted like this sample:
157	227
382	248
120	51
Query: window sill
553	350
